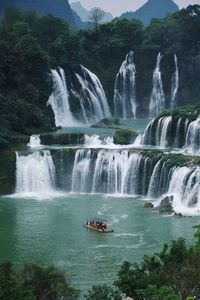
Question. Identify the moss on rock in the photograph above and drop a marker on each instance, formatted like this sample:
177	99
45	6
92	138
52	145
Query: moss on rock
190	112
124	136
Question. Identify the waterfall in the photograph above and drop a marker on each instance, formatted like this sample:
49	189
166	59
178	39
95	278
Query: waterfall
108	171
172	131
157	101
35	173
178	133
185	187
34	141
81	171
146	137
59	100
92	90
119	172
153	191
175	84
163	131
157	133
125	104
192	143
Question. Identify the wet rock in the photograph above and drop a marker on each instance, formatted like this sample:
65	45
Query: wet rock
107	123
178	215
148	205
62	138
166	205
124	137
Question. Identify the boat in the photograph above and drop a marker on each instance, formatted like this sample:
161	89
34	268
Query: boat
98	225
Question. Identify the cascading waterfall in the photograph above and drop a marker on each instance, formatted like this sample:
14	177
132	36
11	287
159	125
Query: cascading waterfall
157	101
34	142
192	144
92	90
110	172
35	173
118	172
171	131
175	84
178	133
185	188
81	176
161	135
125	103
156	134
59	100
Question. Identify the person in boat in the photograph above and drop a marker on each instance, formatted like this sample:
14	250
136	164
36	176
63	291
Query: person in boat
97	224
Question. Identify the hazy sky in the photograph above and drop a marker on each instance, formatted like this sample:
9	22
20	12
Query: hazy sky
116	7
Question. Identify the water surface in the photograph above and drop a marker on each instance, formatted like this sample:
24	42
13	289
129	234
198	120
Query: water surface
51	231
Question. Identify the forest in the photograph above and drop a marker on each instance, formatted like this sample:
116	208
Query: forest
31	46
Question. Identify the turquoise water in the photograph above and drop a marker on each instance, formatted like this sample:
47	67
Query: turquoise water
135	124
51	231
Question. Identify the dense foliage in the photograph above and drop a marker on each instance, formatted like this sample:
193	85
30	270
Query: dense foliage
35	283
175	270
31	45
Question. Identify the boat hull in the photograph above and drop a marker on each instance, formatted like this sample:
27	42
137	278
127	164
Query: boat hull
107	230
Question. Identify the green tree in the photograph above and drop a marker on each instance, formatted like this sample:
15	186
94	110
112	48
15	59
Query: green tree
95	17
103	292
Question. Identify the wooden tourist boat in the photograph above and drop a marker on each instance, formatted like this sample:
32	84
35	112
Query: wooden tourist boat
98	225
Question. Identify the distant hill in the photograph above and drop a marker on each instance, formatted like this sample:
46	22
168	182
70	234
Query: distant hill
152	9
84	13
80	10
58	8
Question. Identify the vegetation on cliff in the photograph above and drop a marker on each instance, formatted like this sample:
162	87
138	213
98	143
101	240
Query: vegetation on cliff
190	112
31	45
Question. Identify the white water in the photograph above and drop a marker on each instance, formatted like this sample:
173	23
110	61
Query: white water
157	101
118	172
153	185
34	142
192	144
175	84
93	91
158	135
178	133
185	187
111	172
35	173
94	141
125	103
162	129
59	100
183	183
